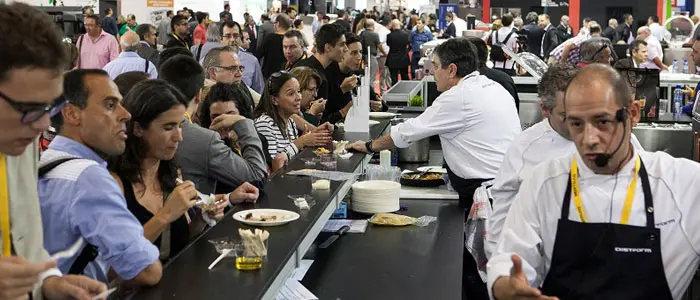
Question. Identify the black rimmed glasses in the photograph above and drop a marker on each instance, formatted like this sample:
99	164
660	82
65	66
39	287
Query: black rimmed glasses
33	112
232	69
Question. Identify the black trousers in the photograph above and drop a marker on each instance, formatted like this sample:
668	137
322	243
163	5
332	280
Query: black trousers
395	74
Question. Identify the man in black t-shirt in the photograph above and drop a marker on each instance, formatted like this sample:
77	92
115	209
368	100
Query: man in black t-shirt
270	54
330	47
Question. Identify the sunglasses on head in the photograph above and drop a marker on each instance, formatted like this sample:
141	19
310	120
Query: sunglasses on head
33	112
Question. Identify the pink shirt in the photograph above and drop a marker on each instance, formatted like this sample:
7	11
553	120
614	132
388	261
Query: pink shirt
98	53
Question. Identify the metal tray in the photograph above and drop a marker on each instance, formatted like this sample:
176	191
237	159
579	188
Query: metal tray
403	91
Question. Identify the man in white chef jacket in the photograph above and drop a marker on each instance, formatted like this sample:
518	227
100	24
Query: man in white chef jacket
543	141
476	121
606	222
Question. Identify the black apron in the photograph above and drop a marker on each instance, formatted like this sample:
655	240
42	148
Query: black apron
605	260
472	286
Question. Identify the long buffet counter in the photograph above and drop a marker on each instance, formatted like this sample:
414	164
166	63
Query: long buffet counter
386	259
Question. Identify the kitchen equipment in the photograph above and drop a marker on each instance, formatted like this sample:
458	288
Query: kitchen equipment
282	216
418	151
375	196
402	92
674	139
433	169
334	237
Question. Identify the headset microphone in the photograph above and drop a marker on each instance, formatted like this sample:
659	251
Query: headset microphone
603	159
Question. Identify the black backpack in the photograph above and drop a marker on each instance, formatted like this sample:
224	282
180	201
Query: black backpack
497	53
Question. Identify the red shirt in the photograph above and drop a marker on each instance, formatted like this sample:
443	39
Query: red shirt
200	33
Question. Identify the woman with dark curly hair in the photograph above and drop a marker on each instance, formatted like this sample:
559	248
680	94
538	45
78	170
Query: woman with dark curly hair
148	174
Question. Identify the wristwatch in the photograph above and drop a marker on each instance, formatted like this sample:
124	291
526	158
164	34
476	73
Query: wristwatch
368	145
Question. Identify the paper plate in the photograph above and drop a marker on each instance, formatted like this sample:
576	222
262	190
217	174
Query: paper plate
283	216
381	115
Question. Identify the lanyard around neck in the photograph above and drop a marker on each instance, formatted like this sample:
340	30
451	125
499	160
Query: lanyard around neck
182	41
626	209
4	209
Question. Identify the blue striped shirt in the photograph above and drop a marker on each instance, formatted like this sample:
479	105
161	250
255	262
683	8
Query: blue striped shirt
129	61
79	198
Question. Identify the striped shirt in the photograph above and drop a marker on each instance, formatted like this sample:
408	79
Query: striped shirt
276	142
573	58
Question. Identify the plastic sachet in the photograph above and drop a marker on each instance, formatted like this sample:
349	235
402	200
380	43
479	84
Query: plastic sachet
390	219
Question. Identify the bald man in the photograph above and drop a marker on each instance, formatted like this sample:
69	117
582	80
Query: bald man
655	57
129	60
607	222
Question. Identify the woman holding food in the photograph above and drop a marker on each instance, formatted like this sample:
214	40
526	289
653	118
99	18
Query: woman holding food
311	107
148	176
280	100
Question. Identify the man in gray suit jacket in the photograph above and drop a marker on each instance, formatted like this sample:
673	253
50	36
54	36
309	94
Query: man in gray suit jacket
147	45
267	28
204	158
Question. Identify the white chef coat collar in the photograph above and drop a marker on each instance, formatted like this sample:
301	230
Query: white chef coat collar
586	174
472	74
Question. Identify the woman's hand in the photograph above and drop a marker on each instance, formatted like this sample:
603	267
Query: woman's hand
315	139
217	210
317	106
375	105
182	198
278	162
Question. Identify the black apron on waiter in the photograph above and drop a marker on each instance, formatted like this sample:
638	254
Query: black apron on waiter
473	288
606	260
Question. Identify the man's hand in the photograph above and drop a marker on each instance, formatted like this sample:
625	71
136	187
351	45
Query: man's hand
358	146
375	105
71	287
349	83
278	162
18	276
225	122
325	127
246	192
516	285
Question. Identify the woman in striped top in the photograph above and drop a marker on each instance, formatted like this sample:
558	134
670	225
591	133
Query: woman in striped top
281	100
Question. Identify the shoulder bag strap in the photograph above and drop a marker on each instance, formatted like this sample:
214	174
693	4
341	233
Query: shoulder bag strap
80	47
146	65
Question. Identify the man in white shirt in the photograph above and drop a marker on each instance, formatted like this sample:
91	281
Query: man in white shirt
606	222
543	141
655	55
656	30
505	37
129	60
476	121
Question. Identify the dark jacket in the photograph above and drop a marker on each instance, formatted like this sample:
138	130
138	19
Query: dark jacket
398	41
564	32
345	25
623	32
271	54
451	31
253	38
552	39
625	63
264	30
109	25
179	42
149	53
534	38
611	34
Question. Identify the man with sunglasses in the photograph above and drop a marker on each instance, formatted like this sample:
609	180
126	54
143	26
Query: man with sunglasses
181	30
26	270
606	222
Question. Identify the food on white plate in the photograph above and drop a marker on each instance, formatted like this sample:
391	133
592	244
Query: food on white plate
321	184
339	147
263	218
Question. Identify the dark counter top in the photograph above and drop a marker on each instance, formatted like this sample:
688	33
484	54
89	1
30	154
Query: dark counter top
186	276
394	262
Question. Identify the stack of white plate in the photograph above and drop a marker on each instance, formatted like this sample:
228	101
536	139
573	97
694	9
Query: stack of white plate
375	196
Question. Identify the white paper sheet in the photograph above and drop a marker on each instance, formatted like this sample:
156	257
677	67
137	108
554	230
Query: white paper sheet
356	226
300	271
293	290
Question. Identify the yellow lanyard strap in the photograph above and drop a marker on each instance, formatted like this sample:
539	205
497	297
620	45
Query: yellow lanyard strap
4	209
626	209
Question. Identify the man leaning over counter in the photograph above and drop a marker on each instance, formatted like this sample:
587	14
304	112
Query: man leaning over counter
545	140
606	222
476	121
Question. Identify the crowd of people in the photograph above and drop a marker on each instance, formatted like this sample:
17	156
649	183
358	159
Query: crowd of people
137	132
